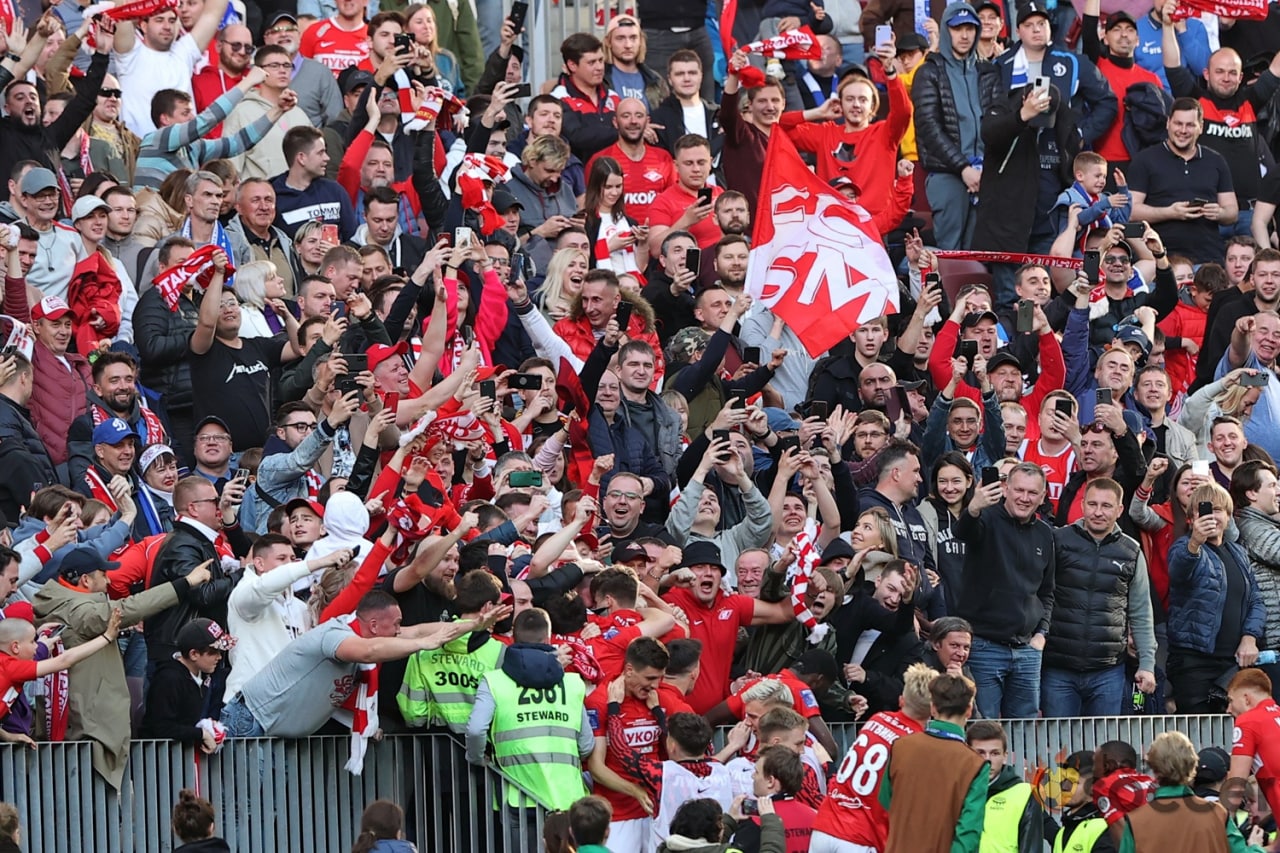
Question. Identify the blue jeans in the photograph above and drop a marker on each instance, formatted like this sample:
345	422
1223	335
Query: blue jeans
1008	679
239	722
1242	227
1100	693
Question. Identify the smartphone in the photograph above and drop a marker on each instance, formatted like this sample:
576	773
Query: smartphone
489	388
1134	229
1254	380
404	44
1204	508
1041	84
329	233
346	383
818	409
525	480
242	475
462	237
1026	315
693	261
524	90
749	807
969	351
719	435
357	362
525	382
896	404
990	476
884	34
468	335
1064	407
517	268
751	355
932	280
519	11
1102	397
623	314
392	401
737	401
1092	263
1198	202
1200	467
704	196
56	631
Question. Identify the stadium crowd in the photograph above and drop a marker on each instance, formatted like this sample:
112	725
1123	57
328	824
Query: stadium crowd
353	381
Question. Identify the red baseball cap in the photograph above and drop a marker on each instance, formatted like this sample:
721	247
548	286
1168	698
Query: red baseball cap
51	308
314	506
379	353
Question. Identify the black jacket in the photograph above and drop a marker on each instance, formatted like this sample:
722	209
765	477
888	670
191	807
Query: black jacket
670	114
205	845
19	142
175	703
1011	172
182	550
1090	599
26	468
1093	105
937	122
671	312
163	338
1008	575
587	127
1131	466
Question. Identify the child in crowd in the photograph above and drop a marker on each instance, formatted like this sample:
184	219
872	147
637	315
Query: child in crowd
1097	208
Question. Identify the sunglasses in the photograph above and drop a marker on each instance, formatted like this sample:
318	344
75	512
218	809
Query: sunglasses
110	93
239	47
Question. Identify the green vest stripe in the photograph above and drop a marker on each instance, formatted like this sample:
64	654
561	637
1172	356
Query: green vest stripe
1086	834
535	739
1003	814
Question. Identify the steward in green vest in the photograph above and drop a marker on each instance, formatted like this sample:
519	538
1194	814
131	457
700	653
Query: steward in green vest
534	716
1014	821
440	685
1084	829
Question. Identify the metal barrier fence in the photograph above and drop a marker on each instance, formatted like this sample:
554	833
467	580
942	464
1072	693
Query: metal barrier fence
278	795
552	21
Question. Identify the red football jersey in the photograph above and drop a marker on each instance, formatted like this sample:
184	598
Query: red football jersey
717	627
1057	469
643	180
1257	735
335	48
852	810
643	735
802	698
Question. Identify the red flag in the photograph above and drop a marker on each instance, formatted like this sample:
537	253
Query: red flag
98	488
818	262
793	44
727	16
1255	10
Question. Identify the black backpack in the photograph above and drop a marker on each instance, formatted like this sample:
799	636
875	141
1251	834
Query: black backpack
1146	112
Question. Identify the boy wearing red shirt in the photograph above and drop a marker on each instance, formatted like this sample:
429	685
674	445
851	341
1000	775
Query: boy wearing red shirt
714	619
1184	327
1255	748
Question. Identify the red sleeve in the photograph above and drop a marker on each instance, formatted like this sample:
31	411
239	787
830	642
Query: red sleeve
1053	373
1245	740
899	203
353	161
807	136
745	605
366	576
491	314
16	304
899	110
16	670
735	704
133	568
731	121
307	45
597	705
662	212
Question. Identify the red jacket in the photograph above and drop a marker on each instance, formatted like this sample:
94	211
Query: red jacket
353	162
1186	321
1053	372
582	340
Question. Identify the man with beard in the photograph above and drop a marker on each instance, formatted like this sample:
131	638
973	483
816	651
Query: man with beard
121	152
314	84
22	131
235	50
113	394
252	232
425	592
1108	448
1119	67
856	359
746	134
647	170
546	201
732	214
1229	306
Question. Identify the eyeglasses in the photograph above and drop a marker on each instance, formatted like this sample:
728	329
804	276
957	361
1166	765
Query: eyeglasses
631	496
1116	260
239	46
276	66
301	426
205	501
213	439
110	93
875	433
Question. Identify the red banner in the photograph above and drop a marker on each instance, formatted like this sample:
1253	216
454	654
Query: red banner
818	262
1254	10
1018	258
199	264
793	44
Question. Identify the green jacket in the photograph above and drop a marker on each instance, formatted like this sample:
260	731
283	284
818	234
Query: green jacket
972	813
1235	841
1029	835
460	36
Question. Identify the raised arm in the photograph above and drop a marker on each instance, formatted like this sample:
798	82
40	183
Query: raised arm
206	26
210	307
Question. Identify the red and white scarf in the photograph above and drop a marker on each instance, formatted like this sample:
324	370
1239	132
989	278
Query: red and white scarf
806	542
436	104
477	176
799	43
154	434
198	267
623	260
362	706
57	698
98	488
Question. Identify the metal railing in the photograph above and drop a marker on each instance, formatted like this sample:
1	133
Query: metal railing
294	795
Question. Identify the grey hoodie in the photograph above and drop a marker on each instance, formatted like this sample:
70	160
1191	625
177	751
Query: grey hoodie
962	74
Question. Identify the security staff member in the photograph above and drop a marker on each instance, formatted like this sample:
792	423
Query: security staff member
1084	829
1014	821
534	714
440	685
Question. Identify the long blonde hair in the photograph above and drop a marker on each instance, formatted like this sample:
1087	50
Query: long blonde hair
553	290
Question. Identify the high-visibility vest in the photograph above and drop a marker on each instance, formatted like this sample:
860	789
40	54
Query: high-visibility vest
535	738
1082	838
1004	813
439	687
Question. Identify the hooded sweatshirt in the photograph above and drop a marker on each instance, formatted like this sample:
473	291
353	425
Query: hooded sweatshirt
345	522
962	74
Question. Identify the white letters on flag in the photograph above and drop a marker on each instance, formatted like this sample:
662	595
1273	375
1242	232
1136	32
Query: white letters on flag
817	260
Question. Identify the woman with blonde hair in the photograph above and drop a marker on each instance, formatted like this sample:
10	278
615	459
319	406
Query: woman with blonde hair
874	544
1227	396
260	289
563	283
421	20
309	249
160	212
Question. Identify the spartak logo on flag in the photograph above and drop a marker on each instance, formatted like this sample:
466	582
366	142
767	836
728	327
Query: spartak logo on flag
818	262
198	265
793	44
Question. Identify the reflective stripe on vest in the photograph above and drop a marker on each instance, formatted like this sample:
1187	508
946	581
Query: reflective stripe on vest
1004	813
535	738
439	687
1082	838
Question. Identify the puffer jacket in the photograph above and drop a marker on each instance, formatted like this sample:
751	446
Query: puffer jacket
937	123
164	343
59	397
17	428
1260	536
1092	581
1198	594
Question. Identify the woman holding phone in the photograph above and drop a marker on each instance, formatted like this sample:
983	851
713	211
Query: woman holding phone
1231	395
951	488
621	244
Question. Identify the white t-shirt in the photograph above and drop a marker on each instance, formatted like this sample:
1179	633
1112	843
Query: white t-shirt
695	119
143	72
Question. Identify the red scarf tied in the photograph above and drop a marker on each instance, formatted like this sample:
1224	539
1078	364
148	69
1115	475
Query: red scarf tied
197	267
476	178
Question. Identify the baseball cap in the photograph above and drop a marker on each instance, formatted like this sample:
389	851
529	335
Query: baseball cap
281	16
203	634
619	20
630	551
988	4
702	553
85	205
912	386
1118	17
1003	357
352	78
37	180
20	610
84	561
112	431
51	308
212	419
379	353
1134	335
780	420
1214	765
964	15
503	200
152	453
973	319
842	181
1032	10
297	503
